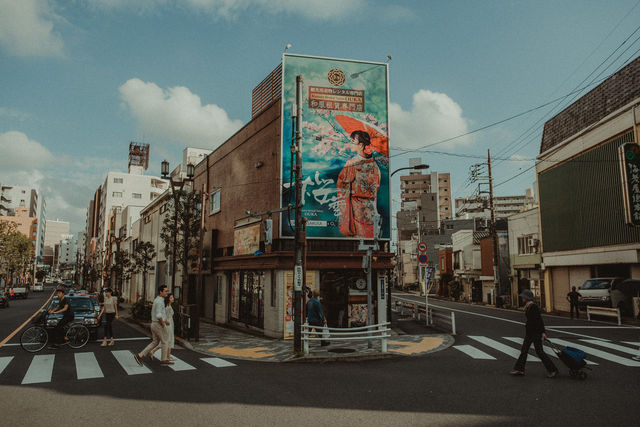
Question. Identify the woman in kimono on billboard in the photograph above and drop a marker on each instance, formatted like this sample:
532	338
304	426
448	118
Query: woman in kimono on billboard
359	180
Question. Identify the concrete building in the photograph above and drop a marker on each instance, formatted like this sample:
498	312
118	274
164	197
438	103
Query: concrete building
68	248
414	185
25	224
16	196
587	228
55	232
525	256
504	206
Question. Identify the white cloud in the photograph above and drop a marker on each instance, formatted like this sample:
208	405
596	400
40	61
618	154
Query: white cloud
231	9
26	28
433	117
19	152
177	114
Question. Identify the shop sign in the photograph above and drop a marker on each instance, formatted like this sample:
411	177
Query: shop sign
630	168
246	240
345	182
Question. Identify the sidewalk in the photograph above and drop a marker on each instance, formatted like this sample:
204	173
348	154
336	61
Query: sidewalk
230	343
233	344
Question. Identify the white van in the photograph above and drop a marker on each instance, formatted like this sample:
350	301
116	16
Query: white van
603	292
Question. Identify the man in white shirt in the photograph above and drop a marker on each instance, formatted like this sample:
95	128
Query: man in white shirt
159	324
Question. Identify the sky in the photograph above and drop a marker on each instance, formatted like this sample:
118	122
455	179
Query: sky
80	79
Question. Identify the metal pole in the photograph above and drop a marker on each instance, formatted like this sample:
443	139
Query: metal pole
494	235
175	239
299	238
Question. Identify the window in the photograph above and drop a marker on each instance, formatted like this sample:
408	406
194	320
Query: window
163	208
136	195
118	180
117	194
214	201
147	219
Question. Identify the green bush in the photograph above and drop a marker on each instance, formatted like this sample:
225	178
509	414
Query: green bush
141	310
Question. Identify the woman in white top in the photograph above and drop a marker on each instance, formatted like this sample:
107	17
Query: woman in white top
110	307
171	338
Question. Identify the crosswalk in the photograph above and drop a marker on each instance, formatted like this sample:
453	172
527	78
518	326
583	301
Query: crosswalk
485	348
40	367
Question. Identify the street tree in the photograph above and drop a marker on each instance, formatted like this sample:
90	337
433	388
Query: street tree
16	251
181	230
143	255
121	268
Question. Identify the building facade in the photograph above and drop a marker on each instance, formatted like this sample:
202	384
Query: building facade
504	206
55	232
525	255
583	227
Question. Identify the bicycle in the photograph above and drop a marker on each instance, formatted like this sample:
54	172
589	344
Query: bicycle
35	337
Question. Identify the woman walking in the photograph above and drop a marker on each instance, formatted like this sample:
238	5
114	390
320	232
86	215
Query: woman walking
110	308
168	301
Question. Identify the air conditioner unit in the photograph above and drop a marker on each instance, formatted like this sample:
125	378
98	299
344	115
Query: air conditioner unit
531	242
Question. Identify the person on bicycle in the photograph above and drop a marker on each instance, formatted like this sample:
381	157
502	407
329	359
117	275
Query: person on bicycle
63	307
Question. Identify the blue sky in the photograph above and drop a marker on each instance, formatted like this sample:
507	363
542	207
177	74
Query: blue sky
81	78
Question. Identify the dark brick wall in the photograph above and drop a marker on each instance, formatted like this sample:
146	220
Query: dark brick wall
615	92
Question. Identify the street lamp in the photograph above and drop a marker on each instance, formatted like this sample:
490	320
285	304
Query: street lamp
176	185
117	240
417	167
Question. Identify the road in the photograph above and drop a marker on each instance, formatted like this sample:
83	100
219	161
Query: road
450	387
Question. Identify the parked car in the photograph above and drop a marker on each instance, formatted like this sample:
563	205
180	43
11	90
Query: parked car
4	300
84	310
38	287
68	283
604	292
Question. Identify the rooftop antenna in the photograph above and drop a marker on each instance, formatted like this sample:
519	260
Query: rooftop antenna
287	47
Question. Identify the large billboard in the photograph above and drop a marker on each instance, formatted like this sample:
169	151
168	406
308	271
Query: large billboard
345	147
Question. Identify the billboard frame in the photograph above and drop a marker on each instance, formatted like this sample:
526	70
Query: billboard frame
282	136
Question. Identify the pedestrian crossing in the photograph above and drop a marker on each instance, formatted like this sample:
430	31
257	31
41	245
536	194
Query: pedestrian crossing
40	368
485	348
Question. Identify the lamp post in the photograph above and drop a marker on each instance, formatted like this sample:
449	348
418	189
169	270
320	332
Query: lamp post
177	185
389	287
116	258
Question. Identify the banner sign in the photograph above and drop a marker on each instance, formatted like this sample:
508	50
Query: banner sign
630	169
246	240
345	147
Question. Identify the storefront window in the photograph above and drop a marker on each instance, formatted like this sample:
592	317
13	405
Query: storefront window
247	298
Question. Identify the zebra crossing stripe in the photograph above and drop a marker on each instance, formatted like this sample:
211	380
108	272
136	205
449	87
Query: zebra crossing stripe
87	366
473	352
217	362
634	343
40	369
547	350
502	348
4	362
612	346
128	362
178	365
597	353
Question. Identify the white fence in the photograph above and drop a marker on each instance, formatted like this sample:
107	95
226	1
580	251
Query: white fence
604	311
436	316
380	332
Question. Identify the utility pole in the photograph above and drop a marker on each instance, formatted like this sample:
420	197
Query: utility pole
494	235
296	147
419	240
367	265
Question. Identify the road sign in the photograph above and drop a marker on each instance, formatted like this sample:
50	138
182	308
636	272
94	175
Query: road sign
422	259
422	247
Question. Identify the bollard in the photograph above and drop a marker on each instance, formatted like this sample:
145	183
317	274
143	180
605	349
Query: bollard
453	323
305	338
384	338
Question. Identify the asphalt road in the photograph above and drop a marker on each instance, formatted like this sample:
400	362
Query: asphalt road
445	388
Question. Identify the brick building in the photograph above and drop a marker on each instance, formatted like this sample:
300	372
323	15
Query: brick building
584	232
245	280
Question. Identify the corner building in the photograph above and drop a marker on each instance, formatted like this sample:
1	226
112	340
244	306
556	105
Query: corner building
584	230
247	277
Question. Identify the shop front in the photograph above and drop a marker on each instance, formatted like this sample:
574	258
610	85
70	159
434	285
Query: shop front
247	298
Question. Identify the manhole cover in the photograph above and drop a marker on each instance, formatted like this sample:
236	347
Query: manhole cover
341	350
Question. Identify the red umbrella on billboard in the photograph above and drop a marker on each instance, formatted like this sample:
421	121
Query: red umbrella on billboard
379	139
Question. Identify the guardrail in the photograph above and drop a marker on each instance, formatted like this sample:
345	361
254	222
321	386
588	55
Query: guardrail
435	317
362	333
604	311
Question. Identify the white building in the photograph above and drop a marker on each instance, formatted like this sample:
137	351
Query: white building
68	249
504	206
54	234
120	190
467	259
525	256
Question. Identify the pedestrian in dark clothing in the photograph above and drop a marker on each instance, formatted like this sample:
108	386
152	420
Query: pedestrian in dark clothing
573	297
535	333
315	317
